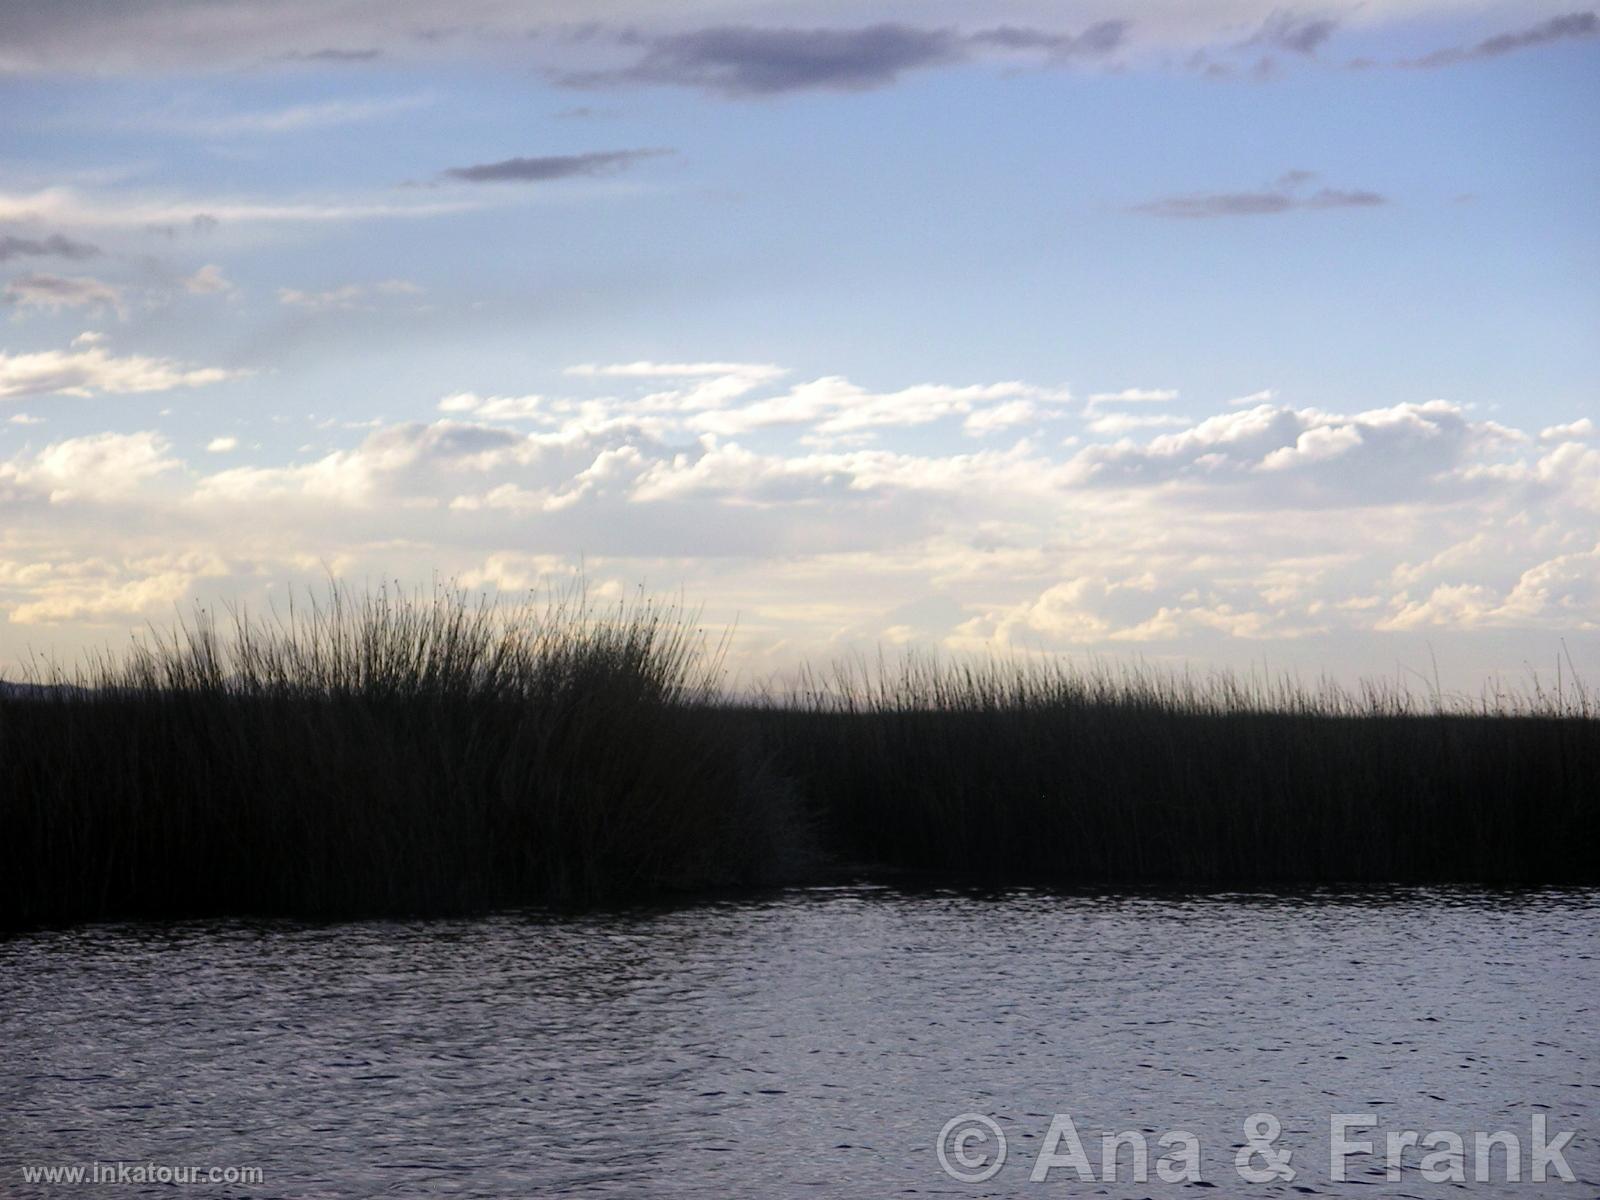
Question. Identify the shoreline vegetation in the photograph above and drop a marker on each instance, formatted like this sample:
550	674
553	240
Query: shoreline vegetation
378	755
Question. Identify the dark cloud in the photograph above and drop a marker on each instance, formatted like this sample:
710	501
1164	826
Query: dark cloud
587	112
56	292
1556	29
746	60
198	225
1343	198
333	55
549	167
1285	196
743	60
1218	204
54	246
1096	40
1298	35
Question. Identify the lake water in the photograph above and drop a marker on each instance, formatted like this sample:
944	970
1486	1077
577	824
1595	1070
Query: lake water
808	1043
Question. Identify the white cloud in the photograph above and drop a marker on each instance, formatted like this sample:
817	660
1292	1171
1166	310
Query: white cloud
294	118
833	406
644	369
1134	396
734	474
1265	396
98	467
208	281
348	296
1253	531
513	572
1563	591
699	385
149	594
495	408
84	372
123	209
1116	423
222	445
395	462
1314	445
1309	456
94	590
1583	427
1008	415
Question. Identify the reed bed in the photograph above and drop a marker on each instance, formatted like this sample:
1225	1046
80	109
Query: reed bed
403	754
1010	771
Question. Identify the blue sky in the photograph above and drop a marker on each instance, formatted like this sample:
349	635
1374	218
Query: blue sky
1220	333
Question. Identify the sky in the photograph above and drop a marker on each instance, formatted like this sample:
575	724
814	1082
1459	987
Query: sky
1212	333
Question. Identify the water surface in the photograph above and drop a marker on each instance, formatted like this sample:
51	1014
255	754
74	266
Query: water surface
809	1043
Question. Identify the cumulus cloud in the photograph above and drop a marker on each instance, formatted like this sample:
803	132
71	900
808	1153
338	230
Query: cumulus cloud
102	466
95	590
1583	427
734	474
999	417
1562	592
1117	423
85	372
834	406
551	167
391	462
1307	456
1252	530
733	398
495	408
209	280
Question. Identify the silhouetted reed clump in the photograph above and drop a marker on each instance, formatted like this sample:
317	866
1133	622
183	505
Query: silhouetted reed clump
380	755
385	755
